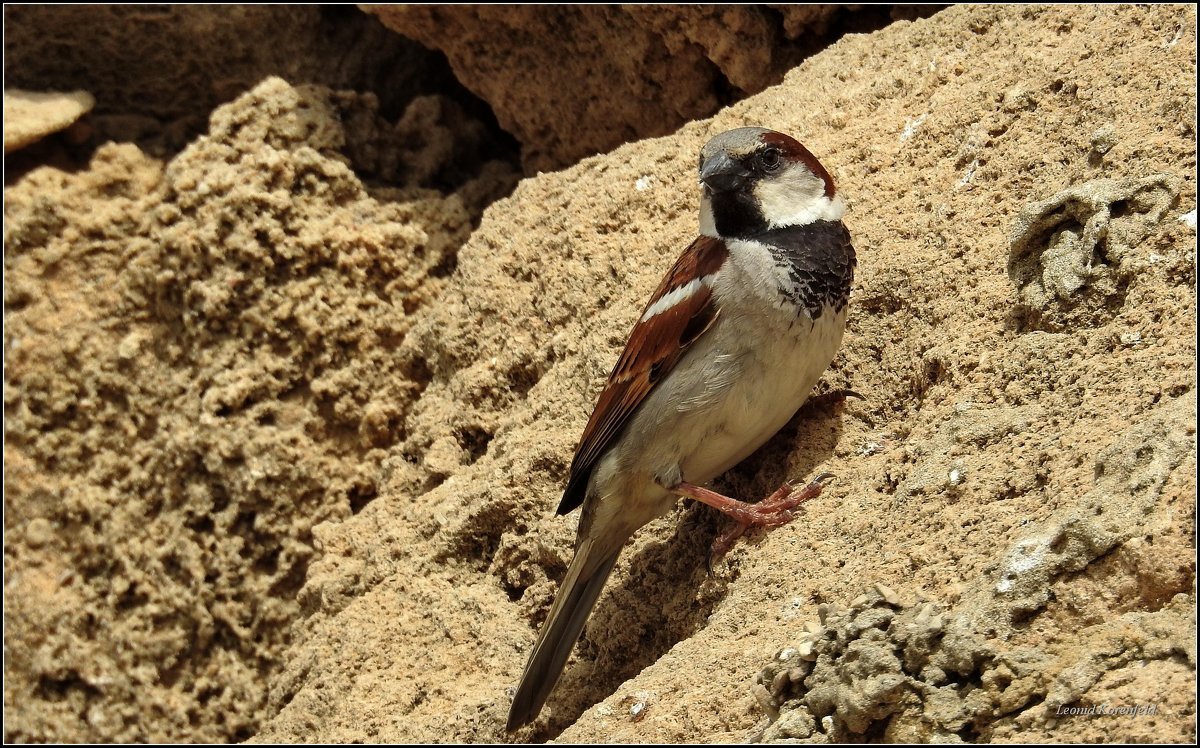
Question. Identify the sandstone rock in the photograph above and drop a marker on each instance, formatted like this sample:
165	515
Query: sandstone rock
570	82
283	444
30	116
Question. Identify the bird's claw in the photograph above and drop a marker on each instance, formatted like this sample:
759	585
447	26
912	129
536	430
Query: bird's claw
774	511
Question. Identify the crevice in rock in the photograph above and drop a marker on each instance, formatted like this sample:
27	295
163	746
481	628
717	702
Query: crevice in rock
157	76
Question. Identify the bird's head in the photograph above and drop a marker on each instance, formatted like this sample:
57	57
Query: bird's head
754	180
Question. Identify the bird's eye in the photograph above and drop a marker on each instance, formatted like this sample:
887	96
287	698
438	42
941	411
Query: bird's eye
769	159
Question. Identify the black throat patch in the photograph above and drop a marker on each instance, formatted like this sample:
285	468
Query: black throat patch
819	261
736	215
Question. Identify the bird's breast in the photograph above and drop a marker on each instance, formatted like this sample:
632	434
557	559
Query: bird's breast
752	384
728	394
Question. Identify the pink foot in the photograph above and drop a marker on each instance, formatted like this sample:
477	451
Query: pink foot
773	511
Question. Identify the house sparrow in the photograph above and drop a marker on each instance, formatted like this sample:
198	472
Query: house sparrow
725	353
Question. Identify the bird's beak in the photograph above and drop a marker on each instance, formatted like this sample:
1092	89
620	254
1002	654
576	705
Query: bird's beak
722	174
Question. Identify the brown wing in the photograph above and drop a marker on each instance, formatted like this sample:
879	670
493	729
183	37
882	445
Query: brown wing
654	345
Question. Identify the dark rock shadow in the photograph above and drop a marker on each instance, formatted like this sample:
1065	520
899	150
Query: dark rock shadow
668	593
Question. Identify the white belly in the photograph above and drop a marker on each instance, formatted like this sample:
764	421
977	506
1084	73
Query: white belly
772	382
728	395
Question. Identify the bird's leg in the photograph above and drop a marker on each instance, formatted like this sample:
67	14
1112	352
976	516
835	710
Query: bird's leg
773	511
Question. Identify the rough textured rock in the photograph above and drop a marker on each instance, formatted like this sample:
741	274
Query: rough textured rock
30	116
213	362
977	435
985	670
1079	247
570	82
200	366
158	71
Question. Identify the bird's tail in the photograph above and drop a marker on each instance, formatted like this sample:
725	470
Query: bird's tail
578	594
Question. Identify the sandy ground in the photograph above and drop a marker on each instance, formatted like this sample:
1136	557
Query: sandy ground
283	444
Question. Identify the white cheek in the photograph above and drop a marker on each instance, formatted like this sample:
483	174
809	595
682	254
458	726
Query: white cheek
796	199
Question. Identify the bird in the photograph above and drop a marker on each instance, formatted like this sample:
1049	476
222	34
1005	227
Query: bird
725	352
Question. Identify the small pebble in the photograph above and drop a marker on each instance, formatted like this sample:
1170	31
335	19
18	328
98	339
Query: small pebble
763	696
38	532
638	711
1103	140
780	683
889	595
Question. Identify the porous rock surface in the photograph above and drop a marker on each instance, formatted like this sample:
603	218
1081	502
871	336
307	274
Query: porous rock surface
201	364
283	445
157	71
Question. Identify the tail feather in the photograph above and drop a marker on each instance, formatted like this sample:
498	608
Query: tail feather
563	626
